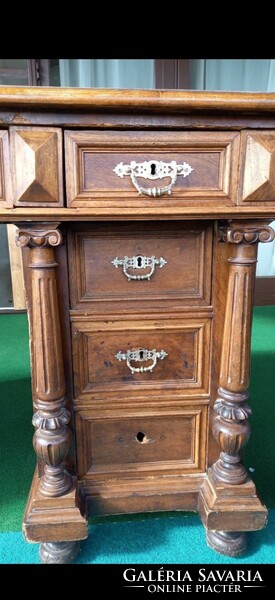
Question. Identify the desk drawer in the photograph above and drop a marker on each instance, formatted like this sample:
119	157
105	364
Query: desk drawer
134	356
143	443
139	266
198	168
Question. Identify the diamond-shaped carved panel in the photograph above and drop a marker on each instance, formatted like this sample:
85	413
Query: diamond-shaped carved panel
258	181
5	175
36	155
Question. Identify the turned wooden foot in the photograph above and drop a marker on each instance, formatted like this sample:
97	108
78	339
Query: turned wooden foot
230	543
58	552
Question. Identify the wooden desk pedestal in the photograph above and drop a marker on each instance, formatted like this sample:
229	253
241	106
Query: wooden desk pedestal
139	214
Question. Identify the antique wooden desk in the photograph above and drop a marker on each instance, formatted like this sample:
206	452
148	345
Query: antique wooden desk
139	215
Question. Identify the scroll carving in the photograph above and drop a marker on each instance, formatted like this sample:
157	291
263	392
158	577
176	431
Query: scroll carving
247	234
37	238
52	437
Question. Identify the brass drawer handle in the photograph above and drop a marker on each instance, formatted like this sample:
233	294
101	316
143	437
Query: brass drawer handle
141	355
153	169
139	262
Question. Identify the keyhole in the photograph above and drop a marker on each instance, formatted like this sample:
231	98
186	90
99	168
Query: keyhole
141	437
153	169
141	353
139	261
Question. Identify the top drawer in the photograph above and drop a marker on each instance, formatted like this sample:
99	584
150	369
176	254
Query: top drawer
111	168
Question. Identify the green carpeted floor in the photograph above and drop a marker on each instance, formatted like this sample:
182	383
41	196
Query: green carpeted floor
17	464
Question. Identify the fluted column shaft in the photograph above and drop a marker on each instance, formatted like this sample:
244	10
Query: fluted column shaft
52	437
230	426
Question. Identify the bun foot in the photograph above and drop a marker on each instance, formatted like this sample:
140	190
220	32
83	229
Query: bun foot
230	543
58	552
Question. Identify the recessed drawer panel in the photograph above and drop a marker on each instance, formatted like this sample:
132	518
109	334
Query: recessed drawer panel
112	357
150	168
135	444
126	267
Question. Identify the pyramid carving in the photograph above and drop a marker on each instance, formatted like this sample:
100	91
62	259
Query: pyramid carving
259	173
36	177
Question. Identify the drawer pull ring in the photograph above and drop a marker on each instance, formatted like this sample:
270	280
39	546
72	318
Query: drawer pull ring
141	355
138	262
153	169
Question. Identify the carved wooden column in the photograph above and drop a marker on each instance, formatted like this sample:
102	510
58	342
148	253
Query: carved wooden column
52	437
231	428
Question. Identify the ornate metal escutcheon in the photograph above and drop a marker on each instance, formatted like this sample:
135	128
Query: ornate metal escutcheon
153	169
139	262
141	355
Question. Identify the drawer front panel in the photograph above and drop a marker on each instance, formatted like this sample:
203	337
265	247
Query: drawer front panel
257	181
108	268
104	359
37	169
141	443
96	163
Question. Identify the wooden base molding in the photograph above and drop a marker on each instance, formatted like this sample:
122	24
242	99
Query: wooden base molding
225	507
59	519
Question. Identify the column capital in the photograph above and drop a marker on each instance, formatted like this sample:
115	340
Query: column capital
246	233
38	235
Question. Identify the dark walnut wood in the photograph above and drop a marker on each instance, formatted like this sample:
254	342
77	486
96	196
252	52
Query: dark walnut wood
58	553
140	305
230	544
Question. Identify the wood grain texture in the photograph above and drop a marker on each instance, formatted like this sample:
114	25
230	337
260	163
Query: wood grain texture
5	172
140	440
136	446
96	285
54	519
36	163
136	100
96	368
230	427
132	495
189	213
16	266
230	508
96	119
52	437
257	183
90	159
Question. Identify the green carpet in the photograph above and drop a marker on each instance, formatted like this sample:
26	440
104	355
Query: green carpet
163	532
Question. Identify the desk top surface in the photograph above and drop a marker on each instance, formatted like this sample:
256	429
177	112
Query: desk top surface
139	100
